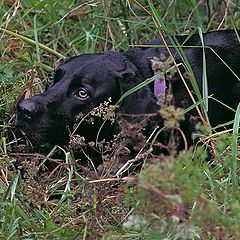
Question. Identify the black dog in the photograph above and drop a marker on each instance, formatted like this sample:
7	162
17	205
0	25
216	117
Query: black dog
83	82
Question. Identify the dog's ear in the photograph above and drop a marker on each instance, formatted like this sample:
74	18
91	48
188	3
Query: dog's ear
128	72
141	101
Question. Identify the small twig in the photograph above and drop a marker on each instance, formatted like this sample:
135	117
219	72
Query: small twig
4	176
90	160
191	13
225	15
168	8
9	18
111	179
33	155
184	138
138	157
76	8
54	170
78	125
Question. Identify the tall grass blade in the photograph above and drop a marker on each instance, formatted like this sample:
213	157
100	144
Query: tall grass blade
14	186
136	88
32	42
235	150
156	16
204	72
36	38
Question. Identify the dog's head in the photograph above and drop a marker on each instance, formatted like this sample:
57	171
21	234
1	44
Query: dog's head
76	87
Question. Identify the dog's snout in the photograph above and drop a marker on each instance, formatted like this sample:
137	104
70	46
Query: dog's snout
26	109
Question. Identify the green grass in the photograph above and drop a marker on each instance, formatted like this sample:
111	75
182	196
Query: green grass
174	197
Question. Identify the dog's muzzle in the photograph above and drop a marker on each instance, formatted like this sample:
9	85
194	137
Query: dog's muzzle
26	111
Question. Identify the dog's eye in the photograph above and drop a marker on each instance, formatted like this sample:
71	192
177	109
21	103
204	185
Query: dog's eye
82	94
50	79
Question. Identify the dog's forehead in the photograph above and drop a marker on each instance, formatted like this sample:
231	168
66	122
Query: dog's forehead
91	63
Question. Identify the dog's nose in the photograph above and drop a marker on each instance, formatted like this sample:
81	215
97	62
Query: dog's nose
26	110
